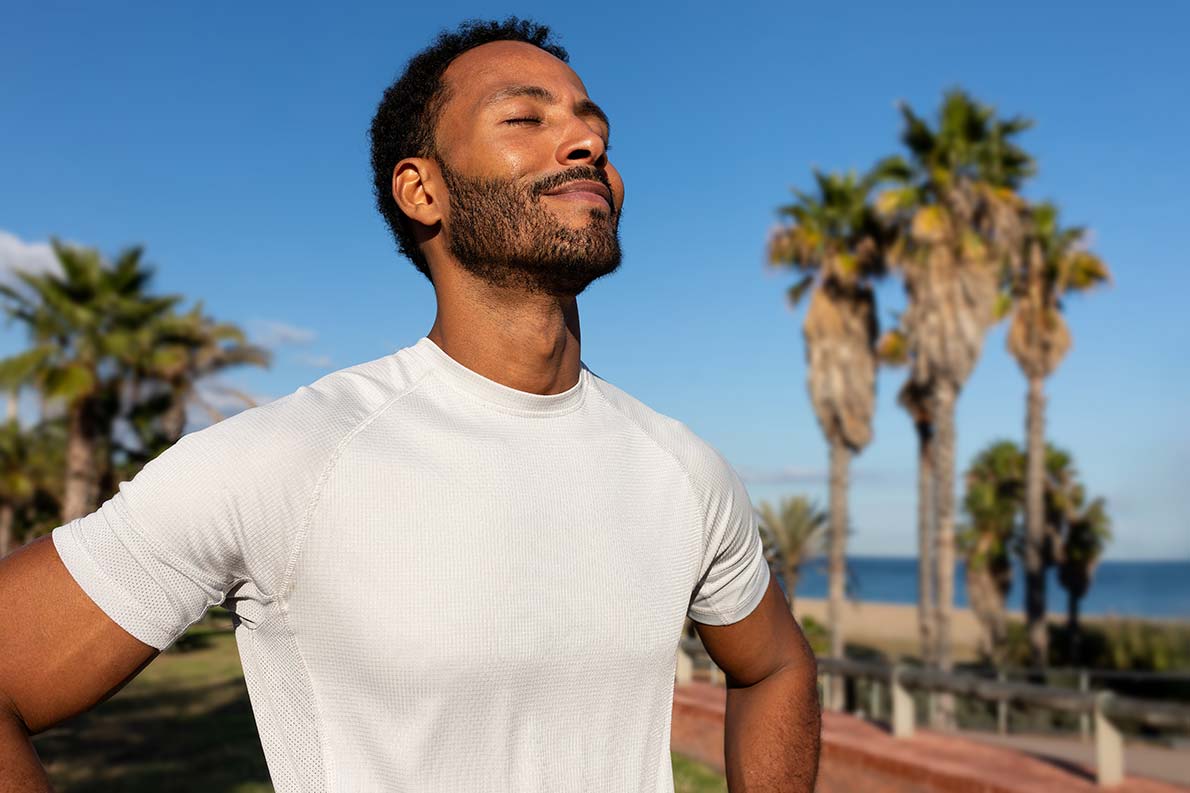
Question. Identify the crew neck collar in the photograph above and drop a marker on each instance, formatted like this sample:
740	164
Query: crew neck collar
498	394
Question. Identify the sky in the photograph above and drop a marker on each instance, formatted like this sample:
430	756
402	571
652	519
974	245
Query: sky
230	141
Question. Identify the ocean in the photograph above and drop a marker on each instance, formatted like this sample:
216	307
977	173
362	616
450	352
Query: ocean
1136	589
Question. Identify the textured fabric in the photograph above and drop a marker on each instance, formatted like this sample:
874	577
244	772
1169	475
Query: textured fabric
439	583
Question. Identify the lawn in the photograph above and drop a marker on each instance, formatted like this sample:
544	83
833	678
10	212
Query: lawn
185	725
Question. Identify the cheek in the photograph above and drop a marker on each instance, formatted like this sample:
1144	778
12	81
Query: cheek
617	184
491	157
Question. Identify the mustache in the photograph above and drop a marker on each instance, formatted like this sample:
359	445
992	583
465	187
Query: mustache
575	174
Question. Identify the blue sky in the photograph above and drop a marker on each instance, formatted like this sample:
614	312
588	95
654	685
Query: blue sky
230	141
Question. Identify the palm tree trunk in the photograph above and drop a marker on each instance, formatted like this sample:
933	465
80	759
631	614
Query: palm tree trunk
82	483
979	586
1072	628
14	397
926	593
1035	523
840	460
173	421
7	540
944	450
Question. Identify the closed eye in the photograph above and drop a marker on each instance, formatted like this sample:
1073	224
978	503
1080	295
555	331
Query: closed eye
524	120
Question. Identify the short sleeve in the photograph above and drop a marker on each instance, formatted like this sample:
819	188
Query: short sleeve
734	574
219	509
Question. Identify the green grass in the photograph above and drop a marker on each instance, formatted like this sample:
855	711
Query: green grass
184	725
692	777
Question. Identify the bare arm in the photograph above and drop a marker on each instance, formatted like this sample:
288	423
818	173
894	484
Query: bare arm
59	656
773	721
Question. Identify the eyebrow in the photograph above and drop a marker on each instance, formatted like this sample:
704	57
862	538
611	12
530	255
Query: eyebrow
582	107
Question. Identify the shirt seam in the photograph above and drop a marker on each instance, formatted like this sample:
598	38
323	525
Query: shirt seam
165	554
125	597
175	562
286	583
300	538
681	465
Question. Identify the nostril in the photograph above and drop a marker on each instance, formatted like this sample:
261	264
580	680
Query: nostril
580	154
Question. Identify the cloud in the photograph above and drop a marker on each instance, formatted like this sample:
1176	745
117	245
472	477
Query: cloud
16	254
795	475
318	361
788	475
272	333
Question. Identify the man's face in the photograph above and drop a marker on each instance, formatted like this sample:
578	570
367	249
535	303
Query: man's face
532	201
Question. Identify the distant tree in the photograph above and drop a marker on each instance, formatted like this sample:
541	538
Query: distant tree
171	357
957	212
1054	264
16	482
835	240
81	322
32	463
995	482
793	534
1077	532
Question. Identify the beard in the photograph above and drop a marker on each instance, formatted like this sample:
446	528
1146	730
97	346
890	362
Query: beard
500	232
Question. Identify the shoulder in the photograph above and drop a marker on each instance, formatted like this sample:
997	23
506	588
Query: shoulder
710	475
310	421
262	464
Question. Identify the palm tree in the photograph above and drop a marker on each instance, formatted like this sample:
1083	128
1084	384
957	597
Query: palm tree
82	323
1055	263
958	215
917	400
995	481
793	534
837	243
175	354
1087	533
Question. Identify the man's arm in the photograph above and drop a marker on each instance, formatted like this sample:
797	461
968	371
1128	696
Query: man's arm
59	656
773	720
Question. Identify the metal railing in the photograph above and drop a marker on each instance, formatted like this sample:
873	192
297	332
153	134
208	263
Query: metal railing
1103	710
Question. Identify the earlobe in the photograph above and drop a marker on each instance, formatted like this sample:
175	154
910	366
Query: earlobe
414	189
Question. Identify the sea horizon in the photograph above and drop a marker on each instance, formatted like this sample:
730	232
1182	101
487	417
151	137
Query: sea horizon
1120	587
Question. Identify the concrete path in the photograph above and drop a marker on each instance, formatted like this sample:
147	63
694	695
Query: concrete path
1141	759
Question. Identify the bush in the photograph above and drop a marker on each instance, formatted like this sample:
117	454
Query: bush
1112	643
817	635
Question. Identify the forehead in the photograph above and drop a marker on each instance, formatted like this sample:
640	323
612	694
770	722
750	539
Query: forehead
481	71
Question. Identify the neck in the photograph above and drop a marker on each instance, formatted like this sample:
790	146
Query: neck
529	342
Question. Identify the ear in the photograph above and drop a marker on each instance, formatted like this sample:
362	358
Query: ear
416	190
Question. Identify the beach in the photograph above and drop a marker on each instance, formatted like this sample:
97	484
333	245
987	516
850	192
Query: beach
891	627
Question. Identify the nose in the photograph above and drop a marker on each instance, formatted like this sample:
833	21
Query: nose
582	144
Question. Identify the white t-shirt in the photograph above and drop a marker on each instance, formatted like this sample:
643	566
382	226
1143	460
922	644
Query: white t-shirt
440	583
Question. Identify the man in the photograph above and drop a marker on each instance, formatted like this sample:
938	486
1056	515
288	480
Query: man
461	567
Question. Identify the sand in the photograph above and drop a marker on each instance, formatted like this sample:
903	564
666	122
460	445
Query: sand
892	627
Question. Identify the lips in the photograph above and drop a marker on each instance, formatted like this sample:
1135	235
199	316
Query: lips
576	191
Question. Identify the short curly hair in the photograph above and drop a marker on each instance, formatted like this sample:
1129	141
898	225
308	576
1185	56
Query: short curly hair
407	116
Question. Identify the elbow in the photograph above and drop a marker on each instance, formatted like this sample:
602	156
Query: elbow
11	716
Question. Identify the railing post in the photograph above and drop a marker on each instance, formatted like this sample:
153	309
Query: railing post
1109	746
684	673
1001	707
902	706
873	699
1084	720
